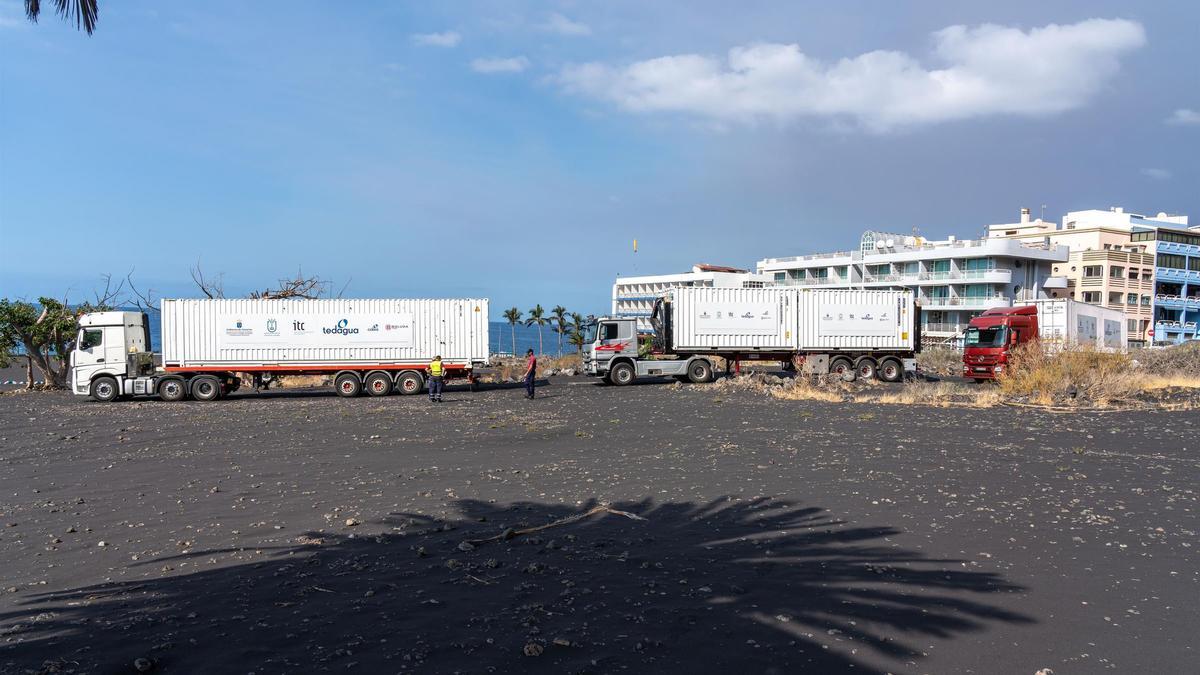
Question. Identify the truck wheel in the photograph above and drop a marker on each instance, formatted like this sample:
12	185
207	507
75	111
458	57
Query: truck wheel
348	385
410	383
841	368
700	371
172	389
622	374
105	389
890	370
379	384
865	368
206	388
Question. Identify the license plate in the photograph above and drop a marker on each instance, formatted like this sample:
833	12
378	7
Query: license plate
980	370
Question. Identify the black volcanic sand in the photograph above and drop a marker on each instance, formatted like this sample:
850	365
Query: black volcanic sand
301	532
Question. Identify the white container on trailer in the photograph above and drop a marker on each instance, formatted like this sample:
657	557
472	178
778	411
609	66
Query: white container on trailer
786	319
1063	321
300	334
730	319
835	319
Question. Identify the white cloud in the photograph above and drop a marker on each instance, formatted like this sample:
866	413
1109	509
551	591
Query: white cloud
1184	116
1156	174
557	23
988	70
447	39
515	64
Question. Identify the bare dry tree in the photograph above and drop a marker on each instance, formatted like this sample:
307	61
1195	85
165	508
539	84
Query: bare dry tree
299	286
146	301
214	288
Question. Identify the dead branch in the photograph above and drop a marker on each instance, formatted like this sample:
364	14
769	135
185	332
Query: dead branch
109	294
143	301
511	533
299	286
213	288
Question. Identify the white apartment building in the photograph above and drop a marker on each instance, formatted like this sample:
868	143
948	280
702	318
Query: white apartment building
635	296
1108	266
953	280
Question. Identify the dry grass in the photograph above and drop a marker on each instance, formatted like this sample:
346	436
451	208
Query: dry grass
941	361
1065	376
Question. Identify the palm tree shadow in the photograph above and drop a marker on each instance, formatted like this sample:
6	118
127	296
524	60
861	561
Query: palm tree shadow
764	585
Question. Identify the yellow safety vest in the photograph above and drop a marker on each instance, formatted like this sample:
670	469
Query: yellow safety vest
435	368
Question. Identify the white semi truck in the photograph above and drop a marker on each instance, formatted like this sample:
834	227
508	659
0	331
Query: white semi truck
376	346
849	333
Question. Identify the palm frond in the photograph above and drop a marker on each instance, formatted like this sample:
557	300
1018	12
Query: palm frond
83	12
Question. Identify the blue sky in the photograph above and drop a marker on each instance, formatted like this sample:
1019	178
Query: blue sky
514	149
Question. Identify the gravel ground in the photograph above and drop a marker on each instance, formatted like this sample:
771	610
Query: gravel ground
301	532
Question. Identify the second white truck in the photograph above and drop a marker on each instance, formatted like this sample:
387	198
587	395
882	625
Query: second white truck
848	333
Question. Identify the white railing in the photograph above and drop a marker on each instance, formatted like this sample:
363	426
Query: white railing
991	300
943	327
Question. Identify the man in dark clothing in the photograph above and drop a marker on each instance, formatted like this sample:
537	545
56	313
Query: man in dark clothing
530	373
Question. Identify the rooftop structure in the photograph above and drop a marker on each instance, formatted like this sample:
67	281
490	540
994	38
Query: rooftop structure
635	296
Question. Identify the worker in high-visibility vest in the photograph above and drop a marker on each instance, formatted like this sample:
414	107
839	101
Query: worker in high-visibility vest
437	373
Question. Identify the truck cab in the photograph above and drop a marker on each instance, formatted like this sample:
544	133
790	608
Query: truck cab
111	350
991	337
609	338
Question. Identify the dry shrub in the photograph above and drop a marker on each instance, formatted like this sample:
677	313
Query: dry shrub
943	361
942	394
1175	362
1073	374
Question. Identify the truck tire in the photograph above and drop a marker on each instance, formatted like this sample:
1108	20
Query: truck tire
378	384
347	385
410	383
891	370
104	389
172	389
206	388
865	368
622	374
842	369
700	371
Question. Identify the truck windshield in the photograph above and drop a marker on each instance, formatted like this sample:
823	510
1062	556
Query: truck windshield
987	337
589	333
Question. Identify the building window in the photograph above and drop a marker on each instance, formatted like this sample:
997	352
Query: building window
1194	264
843	272
977	264
1093	271
780	277
1116	272
1147	276
1145	301
1131	299
1131	324
1172	261
1092	297
885	268
977	291
1133	274
1114	299
936	266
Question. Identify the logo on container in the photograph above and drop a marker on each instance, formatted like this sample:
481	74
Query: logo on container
238	330
342	328
374	327
272	327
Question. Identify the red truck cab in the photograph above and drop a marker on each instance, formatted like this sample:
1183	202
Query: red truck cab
992	335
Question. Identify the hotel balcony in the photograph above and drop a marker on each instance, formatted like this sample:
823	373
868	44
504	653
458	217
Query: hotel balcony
943	329
989	276
968	303
1177	275
1177	301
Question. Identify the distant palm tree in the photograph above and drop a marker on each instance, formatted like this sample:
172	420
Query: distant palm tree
84	12
560	324
513	315
537	316
577	335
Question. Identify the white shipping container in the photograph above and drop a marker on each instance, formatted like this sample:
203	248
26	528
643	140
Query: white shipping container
836	319
1067	322
791	319
299	332
729	319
